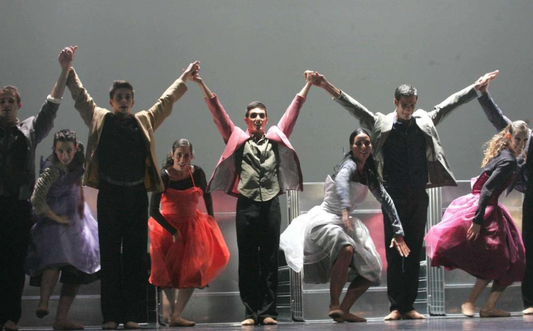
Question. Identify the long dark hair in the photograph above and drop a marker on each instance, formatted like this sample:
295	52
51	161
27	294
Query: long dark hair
370	167
67	135
169	161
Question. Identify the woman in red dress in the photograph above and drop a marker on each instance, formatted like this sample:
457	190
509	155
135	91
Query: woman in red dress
187	248
477	234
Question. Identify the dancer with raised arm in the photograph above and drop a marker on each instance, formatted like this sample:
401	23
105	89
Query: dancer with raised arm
410	158
18	141
121	163
477	234
257	166
500	121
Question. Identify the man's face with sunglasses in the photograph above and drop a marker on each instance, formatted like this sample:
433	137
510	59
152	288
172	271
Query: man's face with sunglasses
256	121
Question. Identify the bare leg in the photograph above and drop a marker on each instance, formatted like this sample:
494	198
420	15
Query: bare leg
68	293
339	275
183	298
170	294
489	308
48	283
468	308
357	287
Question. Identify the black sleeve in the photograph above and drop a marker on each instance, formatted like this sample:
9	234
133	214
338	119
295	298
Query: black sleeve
503	170
378	190
202	184
154	207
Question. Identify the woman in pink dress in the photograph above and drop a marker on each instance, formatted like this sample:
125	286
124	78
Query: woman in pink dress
187	248
477	234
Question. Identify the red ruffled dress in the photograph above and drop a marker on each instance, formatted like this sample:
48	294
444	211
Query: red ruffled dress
498	252
199	256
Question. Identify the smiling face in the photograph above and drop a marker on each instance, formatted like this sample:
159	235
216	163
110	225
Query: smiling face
361	148
8	107
405	107
256	120
182	158
122	101
65	151
519	140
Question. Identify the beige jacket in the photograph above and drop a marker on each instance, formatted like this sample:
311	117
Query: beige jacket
148	120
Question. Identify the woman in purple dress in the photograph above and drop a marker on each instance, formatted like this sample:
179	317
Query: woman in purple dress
477	234
64	241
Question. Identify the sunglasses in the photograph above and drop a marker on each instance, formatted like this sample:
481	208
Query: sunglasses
254	115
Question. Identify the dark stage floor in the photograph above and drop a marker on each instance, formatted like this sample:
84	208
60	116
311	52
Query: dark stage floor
452	323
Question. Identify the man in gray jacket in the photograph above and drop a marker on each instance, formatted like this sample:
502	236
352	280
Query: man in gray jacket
410	159
18	140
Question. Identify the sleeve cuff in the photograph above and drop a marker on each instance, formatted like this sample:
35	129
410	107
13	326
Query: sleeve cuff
51	99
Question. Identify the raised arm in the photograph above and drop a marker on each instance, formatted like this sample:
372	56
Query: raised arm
443	109
44	120
356	109
288	120
221	118
492	111
163	107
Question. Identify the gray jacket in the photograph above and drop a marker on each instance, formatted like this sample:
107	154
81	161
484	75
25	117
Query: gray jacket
380	125
34	129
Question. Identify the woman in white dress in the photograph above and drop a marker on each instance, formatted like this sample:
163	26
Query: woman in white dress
330	245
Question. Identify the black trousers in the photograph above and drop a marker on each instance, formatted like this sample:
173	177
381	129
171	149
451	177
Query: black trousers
258	229
123	234
402	273
15	225
527	237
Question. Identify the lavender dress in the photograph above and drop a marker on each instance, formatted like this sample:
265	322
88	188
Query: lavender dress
58	245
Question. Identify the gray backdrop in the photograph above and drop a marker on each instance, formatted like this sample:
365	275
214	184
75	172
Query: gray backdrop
258	50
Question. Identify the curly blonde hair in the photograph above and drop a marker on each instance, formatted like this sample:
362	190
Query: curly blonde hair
503	140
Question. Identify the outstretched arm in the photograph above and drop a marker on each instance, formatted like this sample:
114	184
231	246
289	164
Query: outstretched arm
45	119
454	101
221	118
492	111
355	108
163	107
65	59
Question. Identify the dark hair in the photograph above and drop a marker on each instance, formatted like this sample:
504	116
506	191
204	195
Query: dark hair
12	89
169	161
405	90
120	84
67	135
370	164
255	104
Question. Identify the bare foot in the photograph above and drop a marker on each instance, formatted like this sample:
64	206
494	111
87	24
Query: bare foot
42	310
336	313
393	316
493	312
528	311
131	325
110	325
468	309
181	322
248	321
67	325
413	315
352	318
269	321
10	326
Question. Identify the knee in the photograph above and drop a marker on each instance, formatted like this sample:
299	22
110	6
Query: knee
347	251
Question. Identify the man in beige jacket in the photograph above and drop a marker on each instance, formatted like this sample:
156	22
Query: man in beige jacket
121	163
